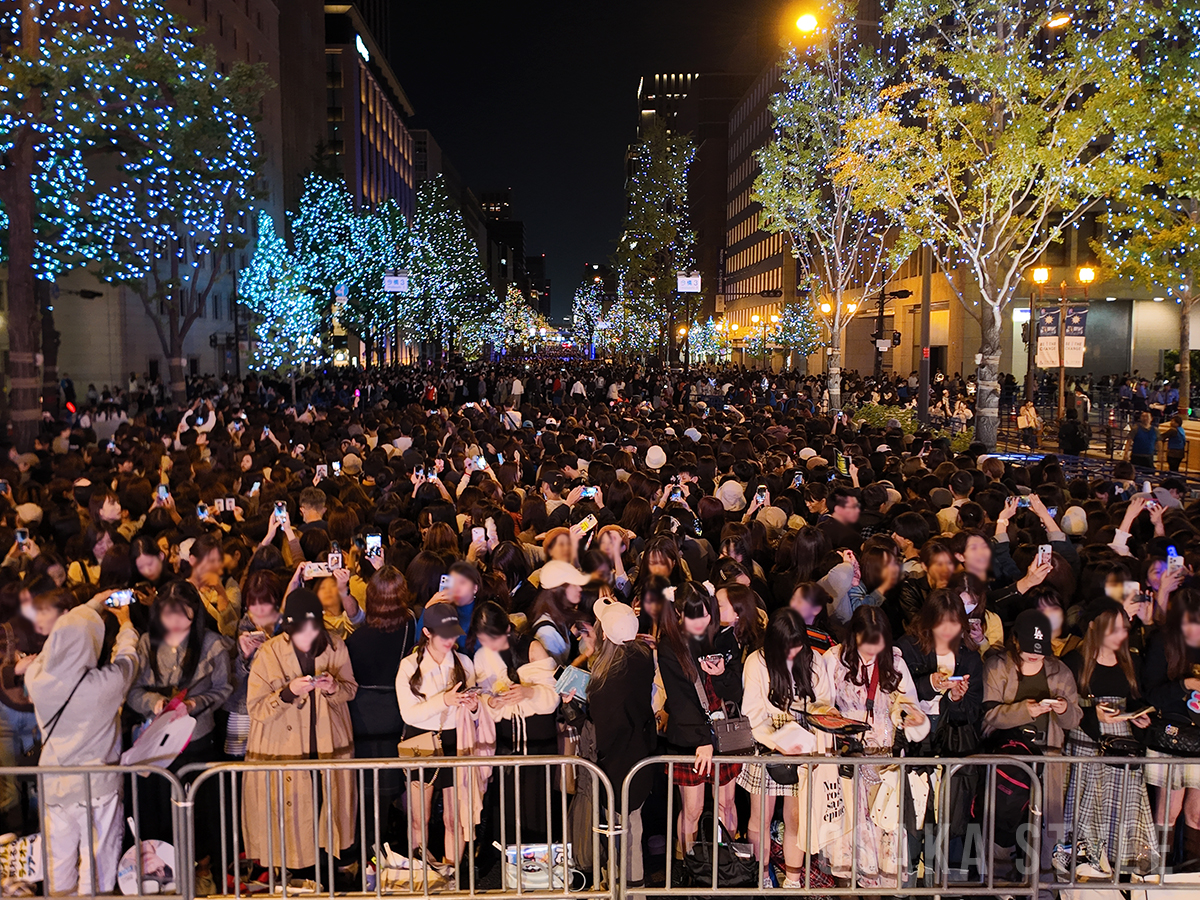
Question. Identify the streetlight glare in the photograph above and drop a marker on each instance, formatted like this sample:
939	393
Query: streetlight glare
1087	275
1058	20
807	23
851	307
1041	275
755	319
826	308
774	319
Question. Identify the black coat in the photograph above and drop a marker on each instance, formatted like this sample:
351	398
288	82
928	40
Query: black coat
626	732
968	710
688	724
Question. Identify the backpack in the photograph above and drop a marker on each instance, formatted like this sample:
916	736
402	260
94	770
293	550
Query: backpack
1010	805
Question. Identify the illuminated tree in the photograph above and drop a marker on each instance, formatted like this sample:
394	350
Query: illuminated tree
508	328
448	285
96	105
829	82
998	138
286	312
587	310
658	241
705	342
380	245
799	330
1152	230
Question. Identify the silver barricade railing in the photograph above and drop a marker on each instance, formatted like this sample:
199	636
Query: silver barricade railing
544	780
1103	844
82	815
858	780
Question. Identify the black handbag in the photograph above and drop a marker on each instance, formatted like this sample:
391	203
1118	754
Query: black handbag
1173	735
1119	745
736	864
731	730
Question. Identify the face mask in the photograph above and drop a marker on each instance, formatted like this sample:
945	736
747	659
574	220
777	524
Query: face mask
968	604
1055	619
1115	592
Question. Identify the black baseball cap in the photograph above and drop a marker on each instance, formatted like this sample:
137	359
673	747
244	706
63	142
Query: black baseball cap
1033	632
442	619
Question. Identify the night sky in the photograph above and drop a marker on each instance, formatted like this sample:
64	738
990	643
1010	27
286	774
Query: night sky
541	97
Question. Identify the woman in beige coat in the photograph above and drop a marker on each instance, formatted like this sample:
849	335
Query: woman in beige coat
297	697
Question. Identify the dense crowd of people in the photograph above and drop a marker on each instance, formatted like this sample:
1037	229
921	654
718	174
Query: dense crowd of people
415	562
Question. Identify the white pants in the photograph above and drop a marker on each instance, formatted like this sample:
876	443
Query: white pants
66	834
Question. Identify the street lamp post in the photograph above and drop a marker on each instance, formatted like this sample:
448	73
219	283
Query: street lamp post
1040	276
1062	349
687	347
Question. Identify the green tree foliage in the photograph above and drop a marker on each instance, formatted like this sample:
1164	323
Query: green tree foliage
831	81
998	137
1152	230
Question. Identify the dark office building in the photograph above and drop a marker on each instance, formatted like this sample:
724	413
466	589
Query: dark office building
539	284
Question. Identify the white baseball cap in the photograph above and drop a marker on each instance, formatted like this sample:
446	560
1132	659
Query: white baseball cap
619	621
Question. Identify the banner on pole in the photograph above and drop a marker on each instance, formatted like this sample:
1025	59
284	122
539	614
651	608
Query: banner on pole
1047	337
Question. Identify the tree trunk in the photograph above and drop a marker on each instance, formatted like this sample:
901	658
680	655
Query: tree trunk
835	375
50	342
23	381
987	385
176	369
1185	355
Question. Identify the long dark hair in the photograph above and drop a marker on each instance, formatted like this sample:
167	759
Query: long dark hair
748	631
490	619
785	632
868	625
809	549
178	596
1096	633
939	606
414	683
1184	605
692	601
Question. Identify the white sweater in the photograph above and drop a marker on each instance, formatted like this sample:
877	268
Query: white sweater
431	712
756	703
491	674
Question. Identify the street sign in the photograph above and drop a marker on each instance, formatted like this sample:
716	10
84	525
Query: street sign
396	284
688	282
341	293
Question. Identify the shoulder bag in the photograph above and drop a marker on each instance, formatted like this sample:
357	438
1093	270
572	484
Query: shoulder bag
33	755
731	730
1173	735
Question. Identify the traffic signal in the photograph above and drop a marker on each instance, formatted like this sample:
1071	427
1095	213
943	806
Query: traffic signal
1025	332
771	293
895	339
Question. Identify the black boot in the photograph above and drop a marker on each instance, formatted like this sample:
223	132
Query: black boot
1189	860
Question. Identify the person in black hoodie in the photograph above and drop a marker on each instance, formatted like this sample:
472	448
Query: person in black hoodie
698	681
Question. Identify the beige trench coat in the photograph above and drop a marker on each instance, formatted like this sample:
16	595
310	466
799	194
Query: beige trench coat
279	732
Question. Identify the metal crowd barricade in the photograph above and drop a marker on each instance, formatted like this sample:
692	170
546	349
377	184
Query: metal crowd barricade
931	878
36	780
563	880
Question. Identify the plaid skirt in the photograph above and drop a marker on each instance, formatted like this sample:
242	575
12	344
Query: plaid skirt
755	778
1108	808
1181	776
